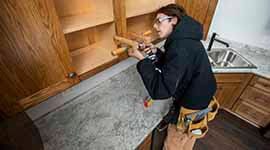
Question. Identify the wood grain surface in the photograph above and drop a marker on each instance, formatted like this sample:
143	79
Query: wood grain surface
33	51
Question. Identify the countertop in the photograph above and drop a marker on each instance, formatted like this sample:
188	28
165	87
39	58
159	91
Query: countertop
111	115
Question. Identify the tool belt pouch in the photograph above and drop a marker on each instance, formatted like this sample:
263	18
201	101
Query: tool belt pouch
199	128
215	107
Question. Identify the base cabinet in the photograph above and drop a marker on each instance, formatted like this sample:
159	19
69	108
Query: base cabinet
254	102
146	144
230	86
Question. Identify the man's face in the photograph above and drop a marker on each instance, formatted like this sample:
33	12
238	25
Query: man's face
164	25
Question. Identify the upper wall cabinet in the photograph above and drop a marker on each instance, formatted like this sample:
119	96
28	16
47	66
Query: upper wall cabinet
89	28
200	10
34	58
46	43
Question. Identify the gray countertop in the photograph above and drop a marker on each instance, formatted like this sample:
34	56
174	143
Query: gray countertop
111	115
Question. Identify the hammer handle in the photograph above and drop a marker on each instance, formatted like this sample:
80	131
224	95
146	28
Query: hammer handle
119	51
131	43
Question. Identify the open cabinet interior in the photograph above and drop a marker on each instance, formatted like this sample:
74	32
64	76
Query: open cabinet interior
140	16
141	24
91	47
77	15
88	26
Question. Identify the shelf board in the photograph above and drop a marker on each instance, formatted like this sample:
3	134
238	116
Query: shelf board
141	7
133	10
91	57
83	21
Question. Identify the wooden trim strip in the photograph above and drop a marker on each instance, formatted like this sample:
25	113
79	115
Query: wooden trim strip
211	11
44	94
119	10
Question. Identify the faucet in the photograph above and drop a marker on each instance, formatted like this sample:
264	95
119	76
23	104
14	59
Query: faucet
213	38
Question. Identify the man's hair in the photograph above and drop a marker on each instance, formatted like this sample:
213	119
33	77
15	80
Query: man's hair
173	10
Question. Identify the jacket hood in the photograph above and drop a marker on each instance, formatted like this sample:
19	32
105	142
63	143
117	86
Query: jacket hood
187	28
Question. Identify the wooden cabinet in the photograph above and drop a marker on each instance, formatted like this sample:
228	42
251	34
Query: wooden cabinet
229	87
43	43
34	58
200	10
256	97
89	27
225	93
146	144
254	103
261	83
252	113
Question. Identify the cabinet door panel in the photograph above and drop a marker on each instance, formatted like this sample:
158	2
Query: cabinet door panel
200	10
194	6
253	113
257	97
225	94
261	83
230	87
33	51
146	144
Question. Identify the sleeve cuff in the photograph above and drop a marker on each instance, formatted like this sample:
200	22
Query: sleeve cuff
159	53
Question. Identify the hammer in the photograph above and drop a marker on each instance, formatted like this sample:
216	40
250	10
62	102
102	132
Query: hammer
130	43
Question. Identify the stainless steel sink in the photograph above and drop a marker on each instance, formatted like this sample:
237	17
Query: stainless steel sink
228	58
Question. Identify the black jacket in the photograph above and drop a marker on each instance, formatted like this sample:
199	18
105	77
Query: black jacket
185	72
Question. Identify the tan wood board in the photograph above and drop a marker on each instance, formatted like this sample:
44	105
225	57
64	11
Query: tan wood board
141	7
77	15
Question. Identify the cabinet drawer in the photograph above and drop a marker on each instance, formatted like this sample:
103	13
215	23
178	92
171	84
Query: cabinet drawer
257	97
252	113
261	83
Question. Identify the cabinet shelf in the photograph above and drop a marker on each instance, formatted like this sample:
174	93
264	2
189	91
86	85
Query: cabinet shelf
76	15
141	7
91	48
90	57
83	21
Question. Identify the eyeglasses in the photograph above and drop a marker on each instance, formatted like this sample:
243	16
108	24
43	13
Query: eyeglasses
159	20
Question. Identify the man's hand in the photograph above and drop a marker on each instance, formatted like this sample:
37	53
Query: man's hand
150	48
135	53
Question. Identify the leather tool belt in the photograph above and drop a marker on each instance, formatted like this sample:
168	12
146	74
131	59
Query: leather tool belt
194	122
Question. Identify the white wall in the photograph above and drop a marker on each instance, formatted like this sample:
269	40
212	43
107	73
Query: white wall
245	21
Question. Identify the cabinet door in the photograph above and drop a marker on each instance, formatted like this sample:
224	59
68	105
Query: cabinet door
230	86
261	83
225	94
146	144
200	10
34	58
253	113
257	98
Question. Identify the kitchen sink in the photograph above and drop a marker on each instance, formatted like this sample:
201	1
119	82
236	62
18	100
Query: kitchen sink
228	58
